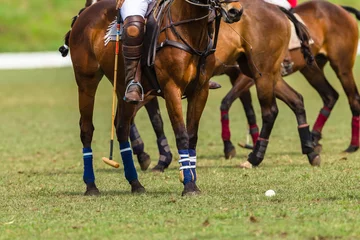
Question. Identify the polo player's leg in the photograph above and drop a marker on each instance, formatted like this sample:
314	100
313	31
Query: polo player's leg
124	115
329	96
132	44
295	101
133	13
87	85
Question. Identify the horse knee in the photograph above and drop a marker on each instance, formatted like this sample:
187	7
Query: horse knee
270	116
225	104
330	100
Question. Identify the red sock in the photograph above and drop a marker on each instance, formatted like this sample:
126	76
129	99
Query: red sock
321	119
254	132
355	131
225	126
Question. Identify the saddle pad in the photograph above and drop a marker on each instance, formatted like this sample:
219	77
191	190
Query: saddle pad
294	40
111	32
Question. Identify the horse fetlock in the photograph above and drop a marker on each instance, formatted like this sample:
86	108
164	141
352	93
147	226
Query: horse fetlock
256	156
91	190
144	160
229	150
136	187
306	140
316	137
190	189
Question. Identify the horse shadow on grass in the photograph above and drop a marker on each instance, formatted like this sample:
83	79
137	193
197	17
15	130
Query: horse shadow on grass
104	193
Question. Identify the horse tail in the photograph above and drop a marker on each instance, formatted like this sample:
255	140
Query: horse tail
303	35
352	10
64	49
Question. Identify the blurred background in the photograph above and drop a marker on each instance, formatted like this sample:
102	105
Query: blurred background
39	25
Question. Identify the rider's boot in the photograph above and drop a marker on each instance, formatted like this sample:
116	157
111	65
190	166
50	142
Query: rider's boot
132	46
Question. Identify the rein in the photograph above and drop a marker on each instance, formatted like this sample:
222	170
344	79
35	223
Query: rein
212	5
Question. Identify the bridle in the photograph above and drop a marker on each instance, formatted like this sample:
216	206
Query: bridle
212	6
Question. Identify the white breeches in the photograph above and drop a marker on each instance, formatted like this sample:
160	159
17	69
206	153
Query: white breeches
134	7
282	3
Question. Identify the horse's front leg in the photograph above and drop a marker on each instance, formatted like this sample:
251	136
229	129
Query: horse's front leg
124	115
172	95
87	85
196	105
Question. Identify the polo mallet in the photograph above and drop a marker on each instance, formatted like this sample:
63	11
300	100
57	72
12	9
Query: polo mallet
247	145
110	160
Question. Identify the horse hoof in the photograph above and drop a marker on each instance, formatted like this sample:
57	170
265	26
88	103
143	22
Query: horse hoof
245	146
231	154
318	148
144	160
246	165
136	187
214	85
229	150
351	149
158	168
314	159
91	190
190	189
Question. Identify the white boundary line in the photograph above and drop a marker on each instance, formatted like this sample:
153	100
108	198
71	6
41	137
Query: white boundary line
33	60
40	60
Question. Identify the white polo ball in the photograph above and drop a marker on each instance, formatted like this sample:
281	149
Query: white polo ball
270	193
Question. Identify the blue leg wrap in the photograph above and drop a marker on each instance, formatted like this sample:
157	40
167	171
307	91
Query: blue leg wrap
129	167
192	156
89	176
185	167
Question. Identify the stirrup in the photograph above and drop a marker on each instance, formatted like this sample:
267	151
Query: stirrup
132	82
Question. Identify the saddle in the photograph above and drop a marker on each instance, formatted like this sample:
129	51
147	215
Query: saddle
294	40
154	19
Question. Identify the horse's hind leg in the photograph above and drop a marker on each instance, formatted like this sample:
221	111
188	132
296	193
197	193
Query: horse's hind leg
124	115
165	158
241	84
295	101
137	146
246	101
87	85
342	66
328	94
269	111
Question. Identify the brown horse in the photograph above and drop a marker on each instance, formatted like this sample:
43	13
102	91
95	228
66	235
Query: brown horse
335	35
185	30
260	58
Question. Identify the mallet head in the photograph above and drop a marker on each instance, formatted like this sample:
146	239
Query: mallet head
110	162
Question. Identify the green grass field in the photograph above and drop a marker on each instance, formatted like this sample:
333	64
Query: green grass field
39	25
41	188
